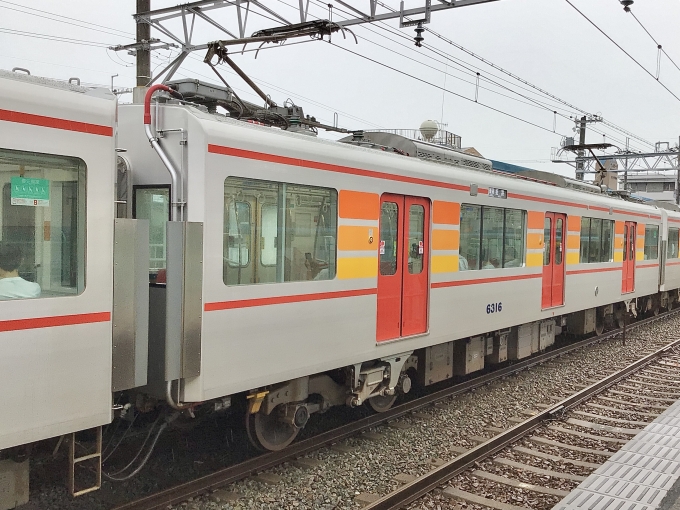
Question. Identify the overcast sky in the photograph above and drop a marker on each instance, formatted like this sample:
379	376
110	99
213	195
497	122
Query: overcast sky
545	42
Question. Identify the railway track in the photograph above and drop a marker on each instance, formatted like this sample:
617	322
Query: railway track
228	475
591	424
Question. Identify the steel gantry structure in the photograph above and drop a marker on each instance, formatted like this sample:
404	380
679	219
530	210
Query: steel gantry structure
188	18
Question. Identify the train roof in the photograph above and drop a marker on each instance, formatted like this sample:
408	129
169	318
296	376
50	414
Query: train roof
73	85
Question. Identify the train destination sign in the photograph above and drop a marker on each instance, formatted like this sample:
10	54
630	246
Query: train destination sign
498	193
30	192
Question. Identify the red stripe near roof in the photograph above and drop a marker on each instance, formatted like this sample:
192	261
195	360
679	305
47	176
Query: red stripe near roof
55	123
58	320
280	300
476	281
304	163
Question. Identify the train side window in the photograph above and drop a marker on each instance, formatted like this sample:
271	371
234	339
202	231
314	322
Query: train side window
153	203
558	241
470	236
42	225
237	233
492	237
607	250
278	232
595	240
672	251
651	242
513	238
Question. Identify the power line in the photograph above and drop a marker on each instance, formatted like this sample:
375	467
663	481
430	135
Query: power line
624	51
445	90
653	39
122	32
53	38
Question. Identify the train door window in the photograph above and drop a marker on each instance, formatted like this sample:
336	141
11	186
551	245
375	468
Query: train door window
547	226
153	203
651	242
278	232
389	228
559	225
42	225
672	251
416	238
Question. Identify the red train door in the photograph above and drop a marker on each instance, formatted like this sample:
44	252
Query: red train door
554	227
628	280
403	266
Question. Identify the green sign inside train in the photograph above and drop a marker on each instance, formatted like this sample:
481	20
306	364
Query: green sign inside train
31	192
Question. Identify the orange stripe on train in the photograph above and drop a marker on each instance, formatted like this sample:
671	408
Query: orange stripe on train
445	213
359	205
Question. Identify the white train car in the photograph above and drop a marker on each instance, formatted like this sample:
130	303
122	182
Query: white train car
57	165
310	257
186	259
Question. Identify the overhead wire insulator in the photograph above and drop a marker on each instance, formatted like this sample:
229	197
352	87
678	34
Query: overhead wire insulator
419	34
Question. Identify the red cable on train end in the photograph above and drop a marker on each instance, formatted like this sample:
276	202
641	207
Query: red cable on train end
147	100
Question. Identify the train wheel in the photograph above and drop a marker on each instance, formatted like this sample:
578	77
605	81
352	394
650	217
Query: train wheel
381	404
268	433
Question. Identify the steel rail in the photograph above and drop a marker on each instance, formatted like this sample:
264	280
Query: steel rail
430	481
231	474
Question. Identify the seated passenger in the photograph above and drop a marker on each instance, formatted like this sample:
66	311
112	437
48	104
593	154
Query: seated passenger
463	263
511	257
13	286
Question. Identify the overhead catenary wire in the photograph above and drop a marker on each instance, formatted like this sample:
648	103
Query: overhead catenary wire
520	79
623	50
54	38
442	88
546	106
471	70
653	39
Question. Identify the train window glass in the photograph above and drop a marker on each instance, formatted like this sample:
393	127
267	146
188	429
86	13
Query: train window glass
625	243
513	238
278	232
470	230
668	186
237	237
672	251
546	240
42	225
269	226
416	238
153	204
585	243
389	226
654	187
607	251
595	240
492	237
558	241
651	242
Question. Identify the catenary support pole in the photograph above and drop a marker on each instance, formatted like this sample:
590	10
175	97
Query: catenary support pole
143	53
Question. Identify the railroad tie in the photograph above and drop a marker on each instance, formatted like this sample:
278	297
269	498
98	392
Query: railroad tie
479	500
519	485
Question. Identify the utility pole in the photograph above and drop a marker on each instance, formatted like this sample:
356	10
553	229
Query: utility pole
143	52
625	165
581	153
677	177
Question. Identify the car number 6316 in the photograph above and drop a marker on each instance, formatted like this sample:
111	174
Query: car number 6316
494	307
